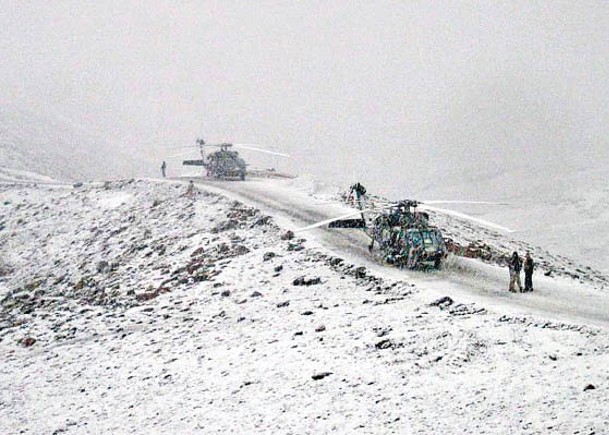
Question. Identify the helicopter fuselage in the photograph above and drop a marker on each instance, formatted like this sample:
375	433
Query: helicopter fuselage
225	164
221	165
413	248
405	238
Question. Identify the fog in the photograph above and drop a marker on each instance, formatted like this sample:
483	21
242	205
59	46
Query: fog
408	97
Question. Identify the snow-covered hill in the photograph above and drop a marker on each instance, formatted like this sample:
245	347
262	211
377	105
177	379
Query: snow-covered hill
564	211
55	148
128	307
12	176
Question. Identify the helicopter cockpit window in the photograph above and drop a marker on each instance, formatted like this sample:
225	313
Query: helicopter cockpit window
428	238
438	237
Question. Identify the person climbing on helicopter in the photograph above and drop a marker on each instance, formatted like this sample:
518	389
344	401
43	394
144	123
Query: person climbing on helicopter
515	266
359	191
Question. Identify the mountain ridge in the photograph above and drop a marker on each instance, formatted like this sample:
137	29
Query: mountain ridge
54	147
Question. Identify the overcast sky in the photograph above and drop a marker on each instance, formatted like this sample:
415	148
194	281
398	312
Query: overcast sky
396	94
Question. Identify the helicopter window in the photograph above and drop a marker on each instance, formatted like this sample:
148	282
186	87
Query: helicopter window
430	237
436	237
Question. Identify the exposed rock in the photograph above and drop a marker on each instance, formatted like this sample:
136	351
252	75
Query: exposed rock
443	302
463	309
288	235
27	341
336	261
262	220
589	387
278	268
147	296
384	344
295	247
256	294
225	293
241	212
198	252
360	272
382	332
200	277
230	224
320	328
283	304
268	256
302	281
103	267
320	376
240	250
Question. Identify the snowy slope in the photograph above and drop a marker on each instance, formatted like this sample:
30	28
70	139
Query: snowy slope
564	209
8	175
153	312
54	148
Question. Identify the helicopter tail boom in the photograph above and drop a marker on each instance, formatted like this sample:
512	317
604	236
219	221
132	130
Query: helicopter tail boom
349	223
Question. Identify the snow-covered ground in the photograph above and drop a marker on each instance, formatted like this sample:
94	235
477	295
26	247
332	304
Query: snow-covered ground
128	307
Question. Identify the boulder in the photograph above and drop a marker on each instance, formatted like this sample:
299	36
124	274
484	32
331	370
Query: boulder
320	376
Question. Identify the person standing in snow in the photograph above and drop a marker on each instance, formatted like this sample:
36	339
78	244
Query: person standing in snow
164	169
529	265
190	190
515	266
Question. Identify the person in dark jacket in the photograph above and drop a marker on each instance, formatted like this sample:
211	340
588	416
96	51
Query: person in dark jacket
515	266
164	169
359	191
529	266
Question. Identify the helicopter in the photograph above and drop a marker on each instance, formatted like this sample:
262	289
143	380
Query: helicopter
224	163
403	234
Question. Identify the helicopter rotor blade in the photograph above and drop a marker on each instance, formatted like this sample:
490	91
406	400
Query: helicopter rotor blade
173	147
261	150
329	221
469	218
443	202
179	155
462	202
